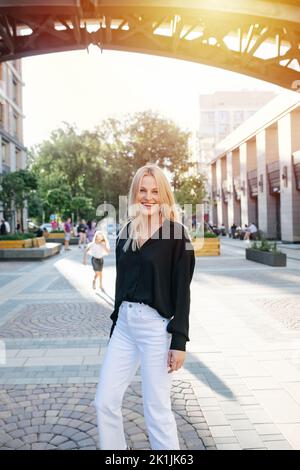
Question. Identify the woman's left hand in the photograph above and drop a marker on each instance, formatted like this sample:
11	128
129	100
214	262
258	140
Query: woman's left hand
175	360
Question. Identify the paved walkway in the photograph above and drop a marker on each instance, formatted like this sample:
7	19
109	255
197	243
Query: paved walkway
239	388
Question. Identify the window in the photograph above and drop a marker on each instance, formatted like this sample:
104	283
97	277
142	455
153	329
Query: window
15	91
208	116
224	130
238	116
223	116
15	124
18	160
5	157
1	115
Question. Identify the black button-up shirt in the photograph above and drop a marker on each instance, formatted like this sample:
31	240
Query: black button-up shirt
159	275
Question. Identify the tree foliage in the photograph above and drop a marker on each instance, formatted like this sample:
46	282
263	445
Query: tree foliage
15	188
192	190
78	171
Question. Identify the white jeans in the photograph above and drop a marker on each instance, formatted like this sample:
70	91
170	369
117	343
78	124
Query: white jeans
140	337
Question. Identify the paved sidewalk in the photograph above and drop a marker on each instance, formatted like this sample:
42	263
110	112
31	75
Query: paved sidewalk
239	388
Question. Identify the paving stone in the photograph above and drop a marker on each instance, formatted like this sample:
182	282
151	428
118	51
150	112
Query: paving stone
16	434
39	446
45	428
58	440
87	442
249	439
10	427
68	445
30	438
45	437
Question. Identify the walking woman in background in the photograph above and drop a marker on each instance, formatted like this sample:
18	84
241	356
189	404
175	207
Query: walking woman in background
155	264
98	248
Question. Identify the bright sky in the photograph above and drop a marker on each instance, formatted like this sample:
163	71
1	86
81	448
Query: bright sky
83	88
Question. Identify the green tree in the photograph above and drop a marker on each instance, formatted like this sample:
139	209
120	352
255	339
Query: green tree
192	190
82	207
15	189
155	139
59	200
99	165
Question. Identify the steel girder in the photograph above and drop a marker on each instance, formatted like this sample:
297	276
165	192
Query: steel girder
256	38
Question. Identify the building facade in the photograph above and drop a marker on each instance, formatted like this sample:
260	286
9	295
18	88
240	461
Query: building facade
255	174
222	112
12	151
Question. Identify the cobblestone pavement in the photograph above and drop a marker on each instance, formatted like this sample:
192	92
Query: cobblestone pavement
240	384
63	417
55	330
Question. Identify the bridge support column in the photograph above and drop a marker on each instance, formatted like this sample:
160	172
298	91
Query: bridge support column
243	178
266	144
230	203
289	142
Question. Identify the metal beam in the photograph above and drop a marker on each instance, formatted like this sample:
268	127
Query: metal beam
223	33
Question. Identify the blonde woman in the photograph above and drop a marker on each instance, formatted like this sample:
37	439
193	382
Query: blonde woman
155	263
97	249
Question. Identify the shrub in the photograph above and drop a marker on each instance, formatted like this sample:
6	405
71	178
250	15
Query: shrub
17	236
197	234
265	245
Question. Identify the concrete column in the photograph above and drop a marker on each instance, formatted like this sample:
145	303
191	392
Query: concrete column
224	204
295	117
219	190
229	177
272	199
262	193
243	177
251	165
236	174
213	208
12	152
288	141
23	159
1	156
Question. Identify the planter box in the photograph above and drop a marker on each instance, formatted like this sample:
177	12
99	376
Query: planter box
206	247
37	242
56	235
5	244
265	257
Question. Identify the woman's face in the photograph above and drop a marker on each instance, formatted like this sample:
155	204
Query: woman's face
99	239
148	195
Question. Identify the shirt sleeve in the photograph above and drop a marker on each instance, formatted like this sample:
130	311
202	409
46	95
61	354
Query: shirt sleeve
182	275
114	315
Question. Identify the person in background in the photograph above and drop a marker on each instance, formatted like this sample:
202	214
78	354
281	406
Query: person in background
67	230
54	225
97	249
233	230
3	228
247	232
91	230
18	227
252	230
82	229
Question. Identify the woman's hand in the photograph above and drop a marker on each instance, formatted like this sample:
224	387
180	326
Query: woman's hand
175	360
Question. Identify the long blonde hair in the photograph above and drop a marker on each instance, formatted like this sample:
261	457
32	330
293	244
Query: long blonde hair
168	207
